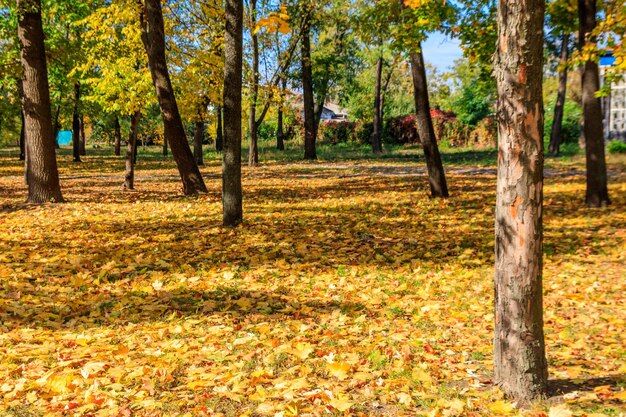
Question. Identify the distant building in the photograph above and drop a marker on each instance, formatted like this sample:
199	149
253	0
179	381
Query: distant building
331	112
614	105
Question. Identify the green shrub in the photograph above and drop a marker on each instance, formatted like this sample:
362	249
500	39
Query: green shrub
617	146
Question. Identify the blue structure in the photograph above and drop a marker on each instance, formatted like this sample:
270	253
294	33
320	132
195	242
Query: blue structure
64	137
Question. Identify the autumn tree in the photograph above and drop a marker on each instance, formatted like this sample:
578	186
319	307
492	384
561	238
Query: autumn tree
231	162
597	194
153	37
419	17
519	350
561	19
42	173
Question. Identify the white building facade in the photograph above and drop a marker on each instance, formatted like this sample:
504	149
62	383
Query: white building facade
613	105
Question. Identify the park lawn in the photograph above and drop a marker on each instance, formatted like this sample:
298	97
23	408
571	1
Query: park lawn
348	291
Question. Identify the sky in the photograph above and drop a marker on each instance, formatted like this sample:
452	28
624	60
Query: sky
441	51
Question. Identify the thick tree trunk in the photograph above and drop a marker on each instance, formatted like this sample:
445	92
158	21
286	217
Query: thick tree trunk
253	127
519	350
131	152
198	136
219	135
154	42
377	134
597	194
310	133
76	124
42	172
233	67
559	107
57	127
118	136
436	174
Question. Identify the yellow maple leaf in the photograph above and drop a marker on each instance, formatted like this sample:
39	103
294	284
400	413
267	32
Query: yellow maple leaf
340	405
501	408
338	369
560	410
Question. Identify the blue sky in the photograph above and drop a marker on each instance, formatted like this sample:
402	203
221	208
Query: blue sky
441	51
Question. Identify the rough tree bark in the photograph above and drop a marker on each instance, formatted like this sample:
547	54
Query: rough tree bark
219	135
307	87
253	127
597	194
231	162
131	152
436	174
118	136
519	352
198	136
41	172
377	134
559	107
76	124
153	37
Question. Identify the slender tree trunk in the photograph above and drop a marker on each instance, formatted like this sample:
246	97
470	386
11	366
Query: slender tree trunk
436	174
57	126
42	172
20	91
280	129
118	137
219	135
22	143
154	42
131	152
519	350
377	134
280	134
198	136
233	67
83	139
597	194
307	87
559	108
165	147
253	127
76	124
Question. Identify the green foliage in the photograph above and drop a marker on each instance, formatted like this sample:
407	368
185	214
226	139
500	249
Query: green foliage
617	146
572	119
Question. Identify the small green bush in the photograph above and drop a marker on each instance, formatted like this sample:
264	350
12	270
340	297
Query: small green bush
617	146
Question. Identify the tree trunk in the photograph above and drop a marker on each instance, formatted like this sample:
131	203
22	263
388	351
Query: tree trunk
436	174
131	152
198	136
307	87
219	135
559	107
597	189
42	172
20	92
56	125
165	147
233	67
519	350
118	137
377	134
280	134
76	124
154	41
83	140
253	127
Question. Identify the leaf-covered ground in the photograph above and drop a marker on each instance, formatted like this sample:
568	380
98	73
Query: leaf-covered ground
347	292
